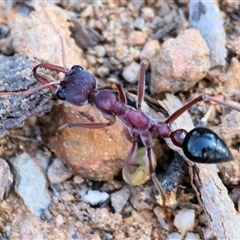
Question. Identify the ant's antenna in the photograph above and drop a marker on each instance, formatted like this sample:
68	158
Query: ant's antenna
61	39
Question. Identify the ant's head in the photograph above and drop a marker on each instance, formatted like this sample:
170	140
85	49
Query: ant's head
77	86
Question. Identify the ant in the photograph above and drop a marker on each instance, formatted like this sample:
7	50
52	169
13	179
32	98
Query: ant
78	87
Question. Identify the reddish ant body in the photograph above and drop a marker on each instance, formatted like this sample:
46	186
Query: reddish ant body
79	87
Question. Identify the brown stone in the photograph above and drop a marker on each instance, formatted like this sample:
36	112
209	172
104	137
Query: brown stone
181	63
137	38
34	37
97	154
233	76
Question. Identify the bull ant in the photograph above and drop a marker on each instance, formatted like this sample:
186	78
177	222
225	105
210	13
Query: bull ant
78	87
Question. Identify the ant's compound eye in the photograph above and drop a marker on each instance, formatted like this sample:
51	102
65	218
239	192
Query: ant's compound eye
61	94
75	68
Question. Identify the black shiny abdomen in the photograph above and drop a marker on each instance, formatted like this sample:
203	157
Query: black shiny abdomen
201	145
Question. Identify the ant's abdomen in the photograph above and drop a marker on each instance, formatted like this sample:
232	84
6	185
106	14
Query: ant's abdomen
202	145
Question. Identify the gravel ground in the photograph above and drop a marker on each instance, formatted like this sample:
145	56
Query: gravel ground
68	184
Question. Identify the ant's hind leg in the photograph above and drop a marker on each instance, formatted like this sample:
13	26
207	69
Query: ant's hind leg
202	97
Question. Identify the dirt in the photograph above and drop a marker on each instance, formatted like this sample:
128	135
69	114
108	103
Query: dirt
109	39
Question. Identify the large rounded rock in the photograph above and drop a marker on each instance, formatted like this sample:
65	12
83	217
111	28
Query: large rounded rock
97	154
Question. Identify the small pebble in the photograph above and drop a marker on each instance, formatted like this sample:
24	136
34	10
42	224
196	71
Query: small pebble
184	220
174	236
87	12
208	233
148	214
58	172
134	52
95	236
42	159
130	72
100	51
161	216
103	71
129	220
139	23
47	214
67	197
137	38
6	179
138	216
119	199
4	31
148	13
150	50
100	60
192	236
94	197
111	186
78	179
238	206
232	75
91	60
59	220
159	212
67	186
138	4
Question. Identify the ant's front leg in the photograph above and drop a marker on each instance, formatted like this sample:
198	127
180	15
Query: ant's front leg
47	66
43	80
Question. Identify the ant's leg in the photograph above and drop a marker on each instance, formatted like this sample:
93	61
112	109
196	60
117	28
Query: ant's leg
111	119
141	84
147	141
48	66
121	93
40	79
202	97
130	159
29	91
